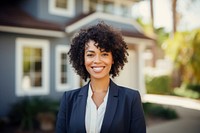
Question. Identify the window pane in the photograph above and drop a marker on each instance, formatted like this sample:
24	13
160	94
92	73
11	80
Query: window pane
26	52
124	10
26	59
26	83
62	4
63	68
63	80
38	66
93	5
26	66
63	56
108	7
32	67
38	52
37	80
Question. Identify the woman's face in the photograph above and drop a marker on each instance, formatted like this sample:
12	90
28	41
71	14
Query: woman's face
98	62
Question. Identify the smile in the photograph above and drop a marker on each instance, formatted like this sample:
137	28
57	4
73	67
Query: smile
98	69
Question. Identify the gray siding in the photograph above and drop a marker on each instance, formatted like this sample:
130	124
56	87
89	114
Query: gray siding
7	69
40	9
7	72
31	7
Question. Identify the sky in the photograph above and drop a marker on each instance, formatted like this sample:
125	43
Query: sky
190	18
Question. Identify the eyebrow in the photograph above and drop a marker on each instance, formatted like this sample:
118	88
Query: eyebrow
90	51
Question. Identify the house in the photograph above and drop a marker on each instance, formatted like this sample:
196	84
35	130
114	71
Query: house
35	37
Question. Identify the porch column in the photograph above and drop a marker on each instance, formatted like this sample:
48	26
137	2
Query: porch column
140	72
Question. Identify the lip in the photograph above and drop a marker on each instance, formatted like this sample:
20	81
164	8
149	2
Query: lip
98	69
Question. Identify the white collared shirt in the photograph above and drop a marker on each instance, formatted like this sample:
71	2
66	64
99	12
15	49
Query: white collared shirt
94	117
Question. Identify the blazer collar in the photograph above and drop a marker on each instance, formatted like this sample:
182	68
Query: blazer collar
111	107
81	108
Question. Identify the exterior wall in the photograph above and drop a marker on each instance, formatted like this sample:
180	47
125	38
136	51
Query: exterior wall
128	76
43	13
30	6
7	69
40	10
132	75
7	72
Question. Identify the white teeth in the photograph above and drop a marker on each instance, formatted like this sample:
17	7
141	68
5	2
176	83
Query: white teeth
97	69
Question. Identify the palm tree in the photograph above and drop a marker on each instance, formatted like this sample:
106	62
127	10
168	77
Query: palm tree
152	14
174	16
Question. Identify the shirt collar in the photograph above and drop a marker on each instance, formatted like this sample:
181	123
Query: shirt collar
90	94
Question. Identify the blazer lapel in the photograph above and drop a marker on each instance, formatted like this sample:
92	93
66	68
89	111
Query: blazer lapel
111	107
80	108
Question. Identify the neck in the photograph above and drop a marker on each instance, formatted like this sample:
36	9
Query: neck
100	85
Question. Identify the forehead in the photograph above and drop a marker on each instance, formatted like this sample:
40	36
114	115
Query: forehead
94	45
91	43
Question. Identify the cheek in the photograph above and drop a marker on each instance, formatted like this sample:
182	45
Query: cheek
87	62
111	61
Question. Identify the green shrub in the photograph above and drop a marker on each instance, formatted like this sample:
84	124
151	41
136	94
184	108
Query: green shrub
194	87
23	113
156	110
188	90
158	84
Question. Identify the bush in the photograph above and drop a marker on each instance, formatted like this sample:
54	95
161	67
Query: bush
188	90
24	112
156	110
194	87
158	84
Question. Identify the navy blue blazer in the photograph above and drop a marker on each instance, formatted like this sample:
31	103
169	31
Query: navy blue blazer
124	113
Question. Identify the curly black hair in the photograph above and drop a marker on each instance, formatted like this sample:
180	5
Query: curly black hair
106	38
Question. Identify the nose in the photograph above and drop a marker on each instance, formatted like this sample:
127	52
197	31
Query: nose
97	59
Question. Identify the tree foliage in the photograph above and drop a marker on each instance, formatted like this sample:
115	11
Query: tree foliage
184	50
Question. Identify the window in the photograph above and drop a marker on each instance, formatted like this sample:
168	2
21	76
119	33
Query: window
108	7
65	77
32	63
62	7
118	7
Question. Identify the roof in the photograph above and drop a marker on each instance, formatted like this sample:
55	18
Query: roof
14	16
127	26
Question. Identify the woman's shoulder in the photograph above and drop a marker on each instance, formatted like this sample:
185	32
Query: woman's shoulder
130	92
128	89
70	94
73	91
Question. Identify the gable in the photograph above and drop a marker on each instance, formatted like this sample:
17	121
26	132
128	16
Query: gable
127	26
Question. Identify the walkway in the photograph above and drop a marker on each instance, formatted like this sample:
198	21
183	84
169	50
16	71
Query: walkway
187	109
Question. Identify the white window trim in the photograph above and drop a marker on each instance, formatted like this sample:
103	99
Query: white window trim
38	43
69	12
74	80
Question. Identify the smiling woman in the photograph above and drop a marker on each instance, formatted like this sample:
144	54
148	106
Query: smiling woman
105	39
97	62
101	106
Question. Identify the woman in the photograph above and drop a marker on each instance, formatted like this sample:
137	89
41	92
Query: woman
101	106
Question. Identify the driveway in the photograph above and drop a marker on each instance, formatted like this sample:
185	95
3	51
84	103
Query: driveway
187	109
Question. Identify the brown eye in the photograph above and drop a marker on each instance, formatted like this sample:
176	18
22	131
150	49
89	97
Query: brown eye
90	55
105	54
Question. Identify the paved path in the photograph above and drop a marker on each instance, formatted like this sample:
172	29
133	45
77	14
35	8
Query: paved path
187	109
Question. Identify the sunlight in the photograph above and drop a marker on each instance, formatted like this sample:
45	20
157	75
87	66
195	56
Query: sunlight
162	14
172	100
